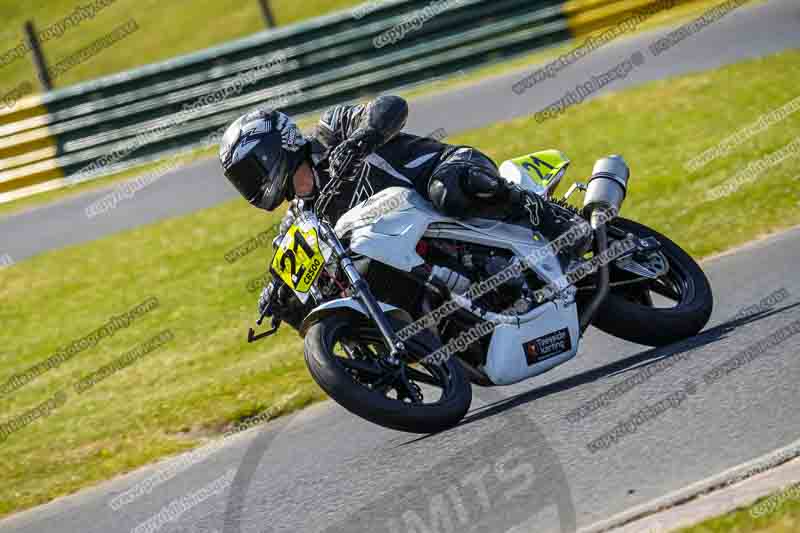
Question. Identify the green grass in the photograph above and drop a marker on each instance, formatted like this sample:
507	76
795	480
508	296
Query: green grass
237	26
658	128
177	28
784	518
209	377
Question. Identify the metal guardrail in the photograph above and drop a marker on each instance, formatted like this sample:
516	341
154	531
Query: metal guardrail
106	125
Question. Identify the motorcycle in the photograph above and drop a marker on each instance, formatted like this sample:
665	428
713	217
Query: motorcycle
412	308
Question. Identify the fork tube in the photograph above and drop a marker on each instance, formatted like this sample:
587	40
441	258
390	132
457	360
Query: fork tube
364	295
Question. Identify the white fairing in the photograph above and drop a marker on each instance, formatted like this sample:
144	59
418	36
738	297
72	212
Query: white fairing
507	361
387	228
348	303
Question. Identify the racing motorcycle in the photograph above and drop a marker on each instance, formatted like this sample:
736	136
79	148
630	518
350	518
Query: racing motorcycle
411	307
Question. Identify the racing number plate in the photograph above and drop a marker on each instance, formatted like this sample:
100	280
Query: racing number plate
299	259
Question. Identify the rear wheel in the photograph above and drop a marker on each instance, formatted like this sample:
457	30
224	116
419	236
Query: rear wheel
346	359
657	312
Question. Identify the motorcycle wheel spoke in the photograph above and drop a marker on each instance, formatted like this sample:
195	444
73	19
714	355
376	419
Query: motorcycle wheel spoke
666	290
363	359
409	389
363	367
647	298
421	377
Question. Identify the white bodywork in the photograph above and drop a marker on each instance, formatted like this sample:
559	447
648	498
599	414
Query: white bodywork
349	303
387	228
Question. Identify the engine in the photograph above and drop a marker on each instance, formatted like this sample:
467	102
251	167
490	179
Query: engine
458	266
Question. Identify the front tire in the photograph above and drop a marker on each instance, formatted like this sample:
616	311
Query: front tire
628	312
356	383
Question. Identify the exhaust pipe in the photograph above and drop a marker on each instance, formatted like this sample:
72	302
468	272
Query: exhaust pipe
607	186
602	279
605	194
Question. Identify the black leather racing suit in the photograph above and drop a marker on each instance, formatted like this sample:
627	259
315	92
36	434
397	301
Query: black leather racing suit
458	180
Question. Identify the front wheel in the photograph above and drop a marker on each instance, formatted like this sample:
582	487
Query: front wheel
657	312
346	361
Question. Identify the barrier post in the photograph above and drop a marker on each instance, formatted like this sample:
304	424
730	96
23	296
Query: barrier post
266	10
38	56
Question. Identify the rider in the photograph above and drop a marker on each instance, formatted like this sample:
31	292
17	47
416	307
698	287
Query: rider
268	160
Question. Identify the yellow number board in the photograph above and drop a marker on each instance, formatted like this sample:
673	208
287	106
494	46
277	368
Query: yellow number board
298	261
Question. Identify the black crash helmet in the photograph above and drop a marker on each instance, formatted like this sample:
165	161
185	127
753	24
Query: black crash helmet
260	153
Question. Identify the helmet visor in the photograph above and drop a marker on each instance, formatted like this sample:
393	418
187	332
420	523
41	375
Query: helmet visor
247	176
275	190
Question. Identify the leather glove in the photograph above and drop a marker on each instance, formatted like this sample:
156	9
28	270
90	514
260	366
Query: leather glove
286	222
265	301
278	300
347	157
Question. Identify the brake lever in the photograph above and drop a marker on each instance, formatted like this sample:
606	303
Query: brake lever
276	322
251	334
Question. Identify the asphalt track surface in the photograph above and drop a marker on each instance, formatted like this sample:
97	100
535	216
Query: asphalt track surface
517	463
744	33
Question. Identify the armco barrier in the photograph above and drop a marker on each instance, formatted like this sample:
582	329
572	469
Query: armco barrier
106	125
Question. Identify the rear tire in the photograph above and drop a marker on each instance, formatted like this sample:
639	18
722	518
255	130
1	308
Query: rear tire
337	381
651	326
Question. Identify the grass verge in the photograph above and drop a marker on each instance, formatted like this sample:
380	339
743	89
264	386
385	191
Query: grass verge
777	513
208	377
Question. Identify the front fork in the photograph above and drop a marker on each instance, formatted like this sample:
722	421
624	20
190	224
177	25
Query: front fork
363	294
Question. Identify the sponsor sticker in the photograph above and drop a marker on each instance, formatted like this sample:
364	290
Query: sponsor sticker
547	346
